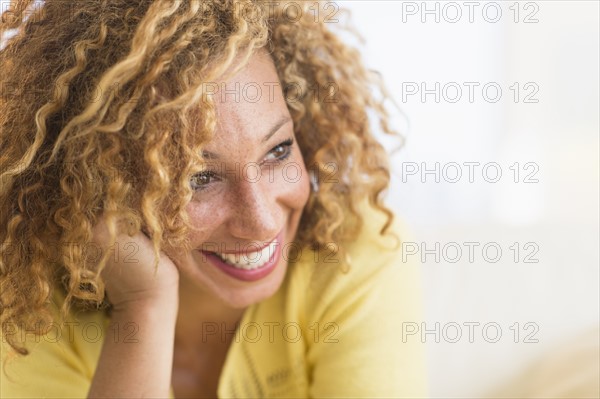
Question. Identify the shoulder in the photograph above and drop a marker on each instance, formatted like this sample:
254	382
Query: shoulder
356	318
377	274
61	362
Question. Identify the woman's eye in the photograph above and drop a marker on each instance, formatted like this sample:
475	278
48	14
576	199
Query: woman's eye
281	151
202	180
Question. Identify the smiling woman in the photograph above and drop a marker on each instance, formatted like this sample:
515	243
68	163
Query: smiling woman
247	197
192	207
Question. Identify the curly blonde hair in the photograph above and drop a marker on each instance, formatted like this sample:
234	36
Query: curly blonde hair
86	86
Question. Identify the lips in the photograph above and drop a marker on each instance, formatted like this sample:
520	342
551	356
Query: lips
249	265
250	260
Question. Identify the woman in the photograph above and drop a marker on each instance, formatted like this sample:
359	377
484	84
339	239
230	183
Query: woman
192	207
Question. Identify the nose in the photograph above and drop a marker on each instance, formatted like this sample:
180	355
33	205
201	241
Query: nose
255	213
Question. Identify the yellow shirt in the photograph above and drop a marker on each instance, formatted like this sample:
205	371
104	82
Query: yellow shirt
323	334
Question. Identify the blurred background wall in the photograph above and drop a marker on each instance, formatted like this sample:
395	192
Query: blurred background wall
498	180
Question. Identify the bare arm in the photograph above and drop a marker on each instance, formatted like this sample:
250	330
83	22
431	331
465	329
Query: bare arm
142	368
139	367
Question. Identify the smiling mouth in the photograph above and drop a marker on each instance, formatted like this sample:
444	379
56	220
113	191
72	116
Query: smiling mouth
249	260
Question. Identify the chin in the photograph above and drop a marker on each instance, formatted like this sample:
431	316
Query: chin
219	287
244	296
242	299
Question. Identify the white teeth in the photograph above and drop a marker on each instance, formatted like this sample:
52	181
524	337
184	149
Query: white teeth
250	260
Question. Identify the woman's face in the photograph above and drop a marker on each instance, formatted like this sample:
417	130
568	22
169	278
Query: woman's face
247	204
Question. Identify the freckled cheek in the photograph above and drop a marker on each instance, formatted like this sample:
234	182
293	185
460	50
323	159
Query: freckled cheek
205	217
296	189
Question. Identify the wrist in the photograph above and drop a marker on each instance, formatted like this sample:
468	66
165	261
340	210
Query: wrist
166	304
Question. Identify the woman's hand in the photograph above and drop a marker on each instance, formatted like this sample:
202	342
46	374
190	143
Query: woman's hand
129	275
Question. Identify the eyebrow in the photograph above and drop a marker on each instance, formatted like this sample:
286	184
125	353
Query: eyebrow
284	120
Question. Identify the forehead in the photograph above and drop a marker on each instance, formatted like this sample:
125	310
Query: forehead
251	101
